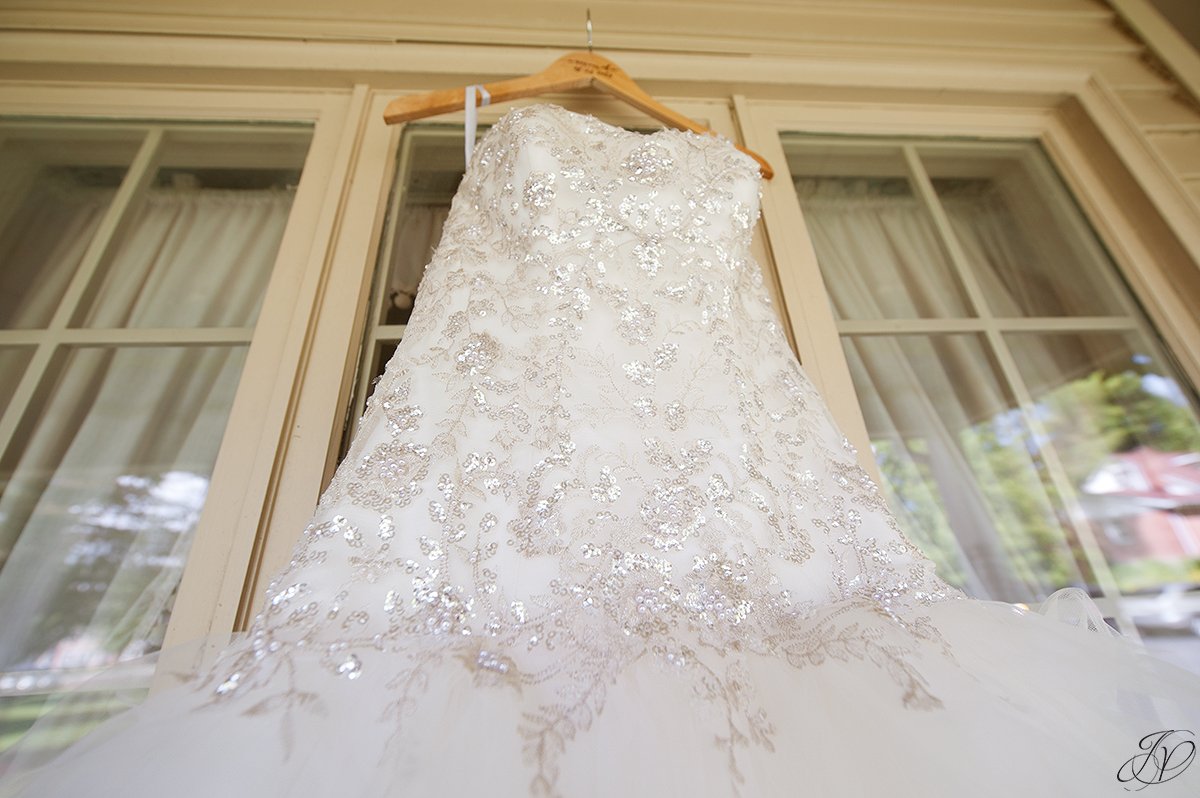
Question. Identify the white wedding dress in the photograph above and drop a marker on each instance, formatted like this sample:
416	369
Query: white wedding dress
598	535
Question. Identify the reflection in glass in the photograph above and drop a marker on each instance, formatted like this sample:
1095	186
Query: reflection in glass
1130	441
1083	447
876	243
958	467
1128	434
418	230
98	508
1024	239
383	354
104	479
209	225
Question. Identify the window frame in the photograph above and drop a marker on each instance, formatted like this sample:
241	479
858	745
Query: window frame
1138	209
245	472
1069	119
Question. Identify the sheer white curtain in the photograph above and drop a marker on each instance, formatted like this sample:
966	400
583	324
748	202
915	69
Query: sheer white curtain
928	399
41	247
97	510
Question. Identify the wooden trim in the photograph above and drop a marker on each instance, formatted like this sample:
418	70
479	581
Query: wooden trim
226	536
32	387
704	27
1163	40
1143	212
328	325
128	336
179	103
805	297
143	59
1145	163
957	326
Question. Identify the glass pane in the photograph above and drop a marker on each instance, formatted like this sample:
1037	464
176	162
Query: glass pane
98	507
1128	434
12	367
1026	242
202	243
55	185
431	167
876	244
958	467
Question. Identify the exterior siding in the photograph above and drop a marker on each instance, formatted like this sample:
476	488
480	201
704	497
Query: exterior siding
1088	34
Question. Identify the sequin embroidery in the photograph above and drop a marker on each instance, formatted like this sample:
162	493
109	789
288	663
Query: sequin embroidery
594	448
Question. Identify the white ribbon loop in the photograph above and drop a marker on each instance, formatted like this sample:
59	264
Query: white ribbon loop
472	121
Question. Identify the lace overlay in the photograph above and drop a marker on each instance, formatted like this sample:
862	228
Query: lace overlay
593	449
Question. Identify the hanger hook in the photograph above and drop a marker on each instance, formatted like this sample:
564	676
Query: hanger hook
589	29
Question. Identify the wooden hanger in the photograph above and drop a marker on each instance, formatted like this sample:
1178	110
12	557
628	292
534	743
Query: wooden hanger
573	71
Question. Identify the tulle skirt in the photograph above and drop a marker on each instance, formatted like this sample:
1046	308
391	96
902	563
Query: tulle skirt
1006	702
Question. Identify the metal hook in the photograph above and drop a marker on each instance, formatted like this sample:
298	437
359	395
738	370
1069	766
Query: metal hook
589	29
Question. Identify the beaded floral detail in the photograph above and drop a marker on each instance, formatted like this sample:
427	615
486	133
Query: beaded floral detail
594	448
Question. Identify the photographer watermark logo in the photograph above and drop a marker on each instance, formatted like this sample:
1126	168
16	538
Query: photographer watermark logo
1165	755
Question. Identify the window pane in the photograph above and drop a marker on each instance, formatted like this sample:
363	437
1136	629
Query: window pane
877	245
209	226
429	171
1023	237
105	474
958	468
55	185
1014	497
1128	434
97	510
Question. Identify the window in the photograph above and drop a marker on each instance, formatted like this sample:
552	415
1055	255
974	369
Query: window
1018	403
134	260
